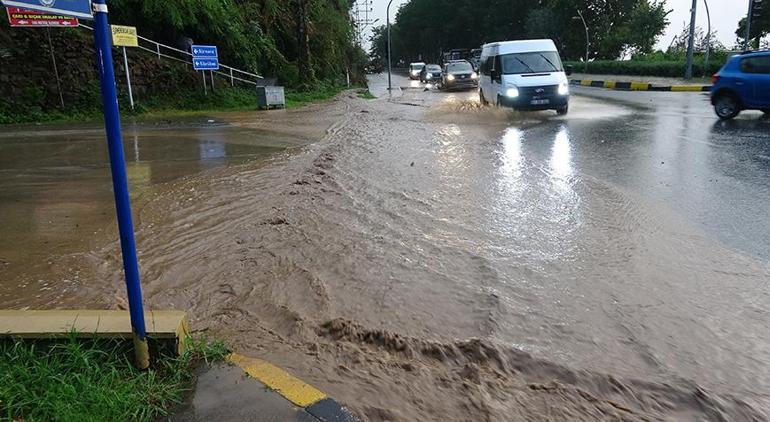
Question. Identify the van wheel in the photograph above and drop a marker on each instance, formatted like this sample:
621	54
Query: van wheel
726	107
561	111
482	100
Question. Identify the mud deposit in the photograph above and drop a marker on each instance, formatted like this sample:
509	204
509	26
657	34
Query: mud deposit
429	260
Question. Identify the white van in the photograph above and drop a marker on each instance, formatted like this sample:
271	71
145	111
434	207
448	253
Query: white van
525	75
415	69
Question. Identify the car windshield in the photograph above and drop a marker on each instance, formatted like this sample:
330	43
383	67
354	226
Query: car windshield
459	67
417	66
534	62
434	68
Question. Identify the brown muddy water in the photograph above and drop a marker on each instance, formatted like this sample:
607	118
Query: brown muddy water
425	259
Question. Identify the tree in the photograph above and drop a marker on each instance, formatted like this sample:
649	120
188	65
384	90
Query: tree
425	28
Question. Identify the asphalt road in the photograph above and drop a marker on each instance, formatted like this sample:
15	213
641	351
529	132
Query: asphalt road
426	258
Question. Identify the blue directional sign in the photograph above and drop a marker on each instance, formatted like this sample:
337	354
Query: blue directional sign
205	64
204	51
77	8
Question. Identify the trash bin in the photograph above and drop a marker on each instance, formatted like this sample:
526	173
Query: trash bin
270	96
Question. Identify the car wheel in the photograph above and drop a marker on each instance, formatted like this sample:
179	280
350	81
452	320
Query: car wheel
561	111
726	107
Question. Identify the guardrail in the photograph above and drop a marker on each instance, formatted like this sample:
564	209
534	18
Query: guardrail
172	53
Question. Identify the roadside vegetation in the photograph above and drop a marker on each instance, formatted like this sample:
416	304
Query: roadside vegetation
623	34
365	94
73	378
258	36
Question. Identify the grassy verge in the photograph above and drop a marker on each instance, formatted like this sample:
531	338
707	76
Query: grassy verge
170	105
365	94
93	380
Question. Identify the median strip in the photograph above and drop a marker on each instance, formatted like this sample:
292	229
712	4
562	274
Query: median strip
639	86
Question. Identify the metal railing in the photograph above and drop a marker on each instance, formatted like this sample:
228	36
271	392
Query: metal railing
172	53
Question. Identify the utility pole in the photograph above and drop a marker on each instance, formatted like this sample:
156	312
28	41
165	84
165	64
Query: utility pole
691	41
708	40
754	7
387	23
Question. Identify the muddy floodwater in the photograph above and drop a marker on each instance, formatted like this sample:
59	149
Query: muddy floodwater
419	257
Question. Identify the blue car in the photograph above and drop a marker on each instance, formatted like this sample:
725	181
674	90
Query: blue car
743	83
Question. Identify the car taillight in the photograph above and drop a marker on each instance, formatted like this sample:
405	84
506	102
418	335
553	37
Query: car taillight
714	79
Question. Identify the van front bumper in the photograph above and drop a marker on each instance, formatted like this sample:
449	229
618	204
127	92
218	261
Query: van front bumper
529	102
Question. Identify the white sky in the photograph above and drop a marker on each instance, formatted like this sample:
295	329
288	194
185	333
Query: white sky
725	15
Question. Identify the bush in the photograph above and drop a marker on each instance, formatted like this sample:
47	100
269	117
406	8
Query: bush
667	68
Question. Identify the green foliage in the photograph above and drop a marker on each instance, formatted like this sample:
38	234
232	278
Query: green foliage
365	94
427	27
665	68
79	380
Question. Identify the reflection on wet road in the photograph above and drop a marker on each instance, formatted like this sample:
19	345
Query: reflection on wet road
55	189
432	259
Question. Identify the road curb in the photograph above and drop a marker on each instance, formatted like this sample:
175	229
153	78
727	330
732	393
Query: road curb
303	395
639	86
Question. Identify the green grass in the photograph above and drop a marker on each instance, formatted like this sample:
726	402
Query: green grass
77	380
365	94
174	104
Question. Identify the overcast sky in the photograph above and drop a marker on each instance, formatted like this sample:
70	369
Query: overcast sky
725	15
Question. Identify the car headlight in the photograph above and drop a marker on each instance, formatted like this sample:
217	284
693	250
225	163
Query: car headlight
512	92
429	76
474	75
450	77
563	88
414	73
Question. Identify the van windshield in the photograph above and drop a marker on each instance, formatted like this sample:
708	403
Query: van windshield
534	62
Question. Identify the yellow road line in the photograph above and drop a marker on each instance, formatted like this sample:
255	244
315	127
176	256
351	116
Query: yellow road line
290	387
686	88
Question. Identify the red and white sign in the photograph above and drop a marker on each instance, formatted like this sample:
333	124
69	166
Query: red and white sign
30	18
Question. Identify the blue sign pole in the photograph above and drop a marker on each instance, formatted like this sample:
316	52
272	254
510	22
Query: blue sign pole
103	41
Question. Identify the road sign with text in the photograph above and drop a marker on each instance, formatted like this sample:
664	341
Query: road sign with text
205	64
76	8
204	51
29	18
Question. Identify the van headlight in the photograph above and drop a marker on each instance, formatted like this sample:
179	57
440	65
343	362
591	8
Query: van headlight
474	75
563	88
512	92
450	77
414	73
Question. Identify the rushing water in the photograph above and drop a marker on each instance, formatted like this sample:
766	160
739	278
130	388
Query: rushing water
431	260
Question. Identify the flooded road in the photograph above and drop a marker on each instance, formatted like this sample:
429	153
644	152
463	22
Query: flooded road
429	259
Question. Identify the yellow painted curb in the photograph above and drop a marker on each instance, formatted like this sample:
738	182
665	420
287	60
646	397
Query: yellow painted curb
639	86
686	88
585	82
290	387
609	84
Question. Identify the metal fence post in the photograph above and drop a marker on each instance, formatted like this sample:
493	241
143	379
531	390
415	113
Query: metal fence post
232	81
128	79
103	42
157	48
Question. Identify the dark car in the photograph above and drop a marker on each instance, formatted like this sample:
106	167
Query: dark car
459	75
431	73
743	83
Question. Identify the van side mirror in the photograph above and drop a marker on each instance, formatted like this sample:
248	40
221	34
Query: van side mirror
493	74
568	69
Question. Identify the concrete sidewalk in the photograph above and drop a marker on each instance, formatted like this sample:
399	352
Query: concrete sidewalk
249	389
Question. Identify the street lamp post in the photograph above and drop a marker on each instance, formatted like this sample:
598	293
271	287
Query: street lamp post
387	23
708	40
749	18
588	42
